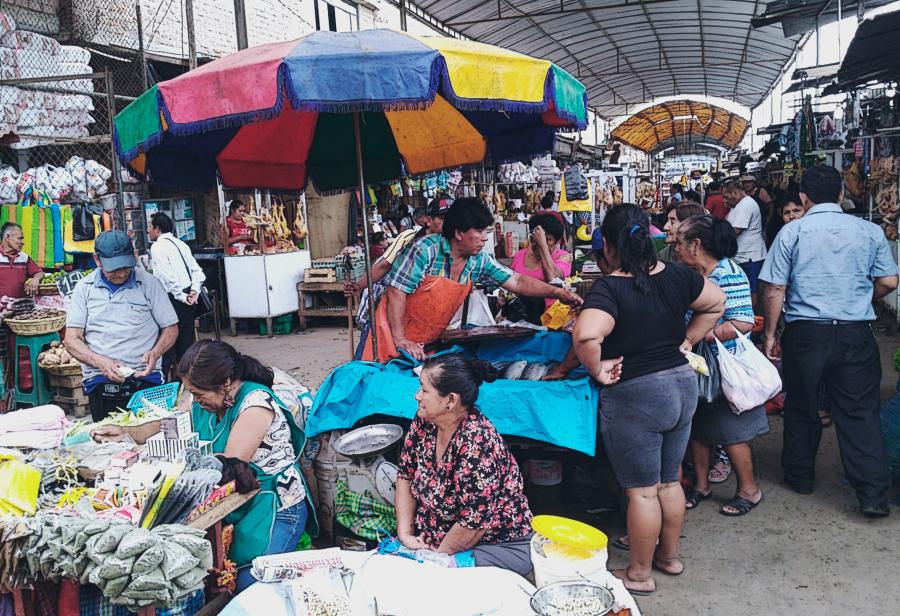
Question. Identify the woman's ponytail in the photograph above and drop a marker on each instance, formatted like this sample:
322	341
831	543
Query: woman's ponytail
250	369
627	227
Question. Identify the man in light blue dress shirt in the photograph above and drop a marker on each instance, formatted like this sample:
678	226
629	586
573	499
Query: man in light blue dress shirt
824	271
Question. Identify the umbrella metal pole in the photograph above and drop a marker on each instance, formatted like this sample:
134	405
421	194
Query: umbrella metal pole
362	201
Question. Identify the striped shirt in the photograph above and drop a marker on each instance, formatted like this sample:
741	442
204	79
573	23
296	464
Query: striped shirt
430	256
730	277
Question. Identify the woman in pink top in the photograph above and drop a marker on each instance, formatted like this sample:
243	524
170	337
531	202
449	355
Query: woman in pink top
544	259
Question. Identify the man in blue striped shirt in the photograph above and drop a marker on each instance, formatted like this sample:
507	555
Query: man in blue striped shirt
824	270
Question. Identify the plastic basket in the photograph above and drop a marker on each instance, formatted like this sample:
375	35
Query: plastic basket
280	325
161	395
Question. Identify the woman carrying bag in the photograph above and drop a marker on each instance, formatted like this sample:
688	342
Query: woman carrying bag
708	245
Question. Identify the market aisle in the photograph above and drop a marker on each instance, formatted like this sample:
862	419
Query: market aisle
308	355
803	555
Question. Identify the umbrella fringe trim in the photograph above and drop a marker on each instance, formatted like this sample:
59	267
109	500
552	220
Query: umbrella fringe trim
141	147
231	121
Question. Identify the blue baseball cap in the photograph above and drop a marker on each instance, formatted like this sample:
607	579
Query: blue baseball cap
597	240
115	250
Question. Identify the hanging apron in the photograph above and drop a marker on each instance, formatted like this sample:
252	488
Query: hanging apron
254	520
429	310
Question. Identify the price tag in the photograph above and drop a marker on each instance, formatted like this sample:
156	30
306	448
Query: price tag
67	283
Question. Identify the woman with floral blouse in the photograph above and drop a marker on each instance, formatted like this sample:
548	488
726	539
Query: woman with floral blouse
459	488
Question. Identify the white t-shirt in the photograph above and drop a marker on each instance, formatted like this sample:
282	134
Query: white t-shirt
751	244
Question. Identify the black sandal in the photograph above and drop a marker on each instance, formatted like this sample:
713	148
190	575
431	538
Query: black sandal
742	505
693	497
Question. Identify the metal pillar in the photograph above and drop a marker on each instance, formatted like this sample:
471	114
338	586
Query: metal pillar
362	201
140	25
116	168
191	38
240	24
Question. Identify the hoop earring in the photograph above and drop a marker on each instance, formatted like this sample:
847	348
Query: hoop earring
228	399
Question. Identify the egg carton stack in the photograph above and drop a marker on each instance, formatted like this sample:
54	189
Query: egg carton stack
174	437
46	110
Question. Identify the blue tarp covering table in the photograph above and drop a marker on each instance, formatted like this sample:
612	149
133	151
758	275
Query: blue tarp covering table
562	413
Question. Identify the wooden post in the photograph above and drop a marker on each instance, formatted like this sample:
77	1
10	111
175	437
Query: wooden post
191	38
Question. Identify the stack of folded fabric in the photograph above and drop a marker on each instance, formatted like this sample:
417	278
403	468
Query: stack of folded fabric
41	427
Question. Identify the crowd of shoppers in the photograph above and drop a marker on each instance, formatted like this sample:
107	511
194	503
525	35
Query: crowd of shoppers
824	270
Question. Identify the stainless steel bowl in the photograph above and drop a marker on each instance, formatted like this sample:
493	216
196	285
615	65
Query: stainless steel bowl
368	441
572	599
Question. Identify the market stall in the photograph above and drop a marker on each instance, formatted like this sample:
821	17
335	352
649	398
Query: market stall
348	130
517	404
115	523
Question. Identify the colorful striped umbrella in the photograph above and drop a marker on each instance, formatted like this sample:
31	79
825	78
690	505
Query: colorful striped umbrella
277	115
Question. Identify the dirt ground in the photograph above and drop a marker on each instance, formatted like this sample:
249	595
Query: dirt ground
797	555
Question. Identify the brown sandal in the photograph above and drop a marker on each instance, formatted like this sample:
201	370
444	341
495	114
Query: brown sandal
622	574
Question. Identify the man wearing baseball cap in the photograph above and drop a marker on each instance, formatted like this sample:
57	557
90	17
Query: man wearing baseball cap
119	324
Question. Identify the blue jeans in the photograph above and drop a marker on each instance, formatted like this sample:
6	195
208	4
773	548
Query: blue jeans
286	532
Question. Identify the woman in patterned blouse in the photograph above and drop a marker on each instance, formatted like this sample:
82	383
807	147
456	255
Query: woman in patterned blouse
459	488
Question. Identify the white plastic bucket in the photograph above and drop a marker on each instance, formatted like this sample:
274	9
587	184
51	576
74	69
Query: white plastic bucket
545	472
549	569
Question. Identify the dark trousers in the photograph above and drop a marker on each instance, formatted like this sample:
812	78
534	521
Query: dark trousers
186	337
109	397
845	358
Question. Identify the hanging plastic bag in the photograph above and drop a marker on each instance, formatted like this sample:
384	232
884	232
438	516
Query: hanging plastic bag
710	384
748	378
82	223
19	484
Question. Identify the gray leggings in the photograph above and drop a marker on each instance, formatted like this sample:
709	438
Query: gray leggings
513	555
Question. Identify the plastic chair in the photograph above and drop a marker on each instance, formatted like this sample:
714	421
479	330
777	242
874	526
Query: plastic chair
31	383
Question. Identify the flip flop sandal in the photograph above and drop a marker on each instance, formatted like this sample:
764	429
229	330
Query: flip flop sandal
694	497
742	505
621	543
656	567
625	579
717	475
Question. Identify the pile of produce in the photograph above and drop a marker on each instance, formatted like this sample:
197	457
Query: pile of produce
16	305
57	356
38	314
52	278
133	567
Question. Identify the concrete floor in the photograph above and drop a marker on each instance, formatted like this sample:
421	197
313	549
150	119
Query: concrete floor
799	555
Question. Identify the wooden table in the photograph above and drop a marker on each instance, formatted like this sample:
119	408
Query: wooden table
328	300
212	522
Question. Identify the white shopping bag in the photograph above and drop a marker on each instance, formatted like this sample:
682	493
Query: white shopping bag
749	379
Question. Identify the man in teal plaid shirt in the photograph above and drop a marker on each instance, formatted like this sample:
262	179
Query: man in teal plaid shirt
430	283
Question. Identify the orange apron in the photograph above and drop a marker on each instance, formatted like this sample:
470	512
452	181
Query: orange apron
429	310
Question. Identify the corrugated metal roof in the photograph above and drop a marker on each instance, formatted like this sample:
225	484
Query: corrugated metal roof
798	16
873	54
629	52
682	124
